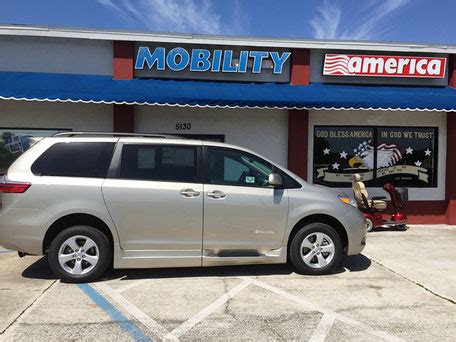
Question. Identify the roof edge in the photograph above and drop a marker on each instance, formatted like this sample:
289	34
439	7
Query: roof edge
178	38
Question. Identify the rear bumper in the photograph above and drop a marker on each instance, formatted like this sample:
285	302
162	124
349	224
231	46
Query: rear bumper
23	230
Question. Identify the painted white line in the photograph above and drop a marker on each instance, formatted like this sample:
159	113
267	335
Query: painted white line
347	320
131	285
200	316
323	328
133	310
4	251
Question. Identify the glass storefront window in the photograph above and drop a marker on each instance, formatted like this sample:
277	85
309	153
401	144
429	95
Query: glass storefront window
407	156
15	141
400	155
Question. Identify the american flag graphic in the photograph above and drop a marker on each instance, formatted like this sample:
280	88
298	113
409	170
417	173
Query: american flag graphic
387	155
396	153
336	65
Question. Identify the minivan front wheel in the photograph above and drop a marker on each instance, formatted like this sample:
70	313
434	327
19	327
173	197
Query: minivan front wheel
79	254
316	249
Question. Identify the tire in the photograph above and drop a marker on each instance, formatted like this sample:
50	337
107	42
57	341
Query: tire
304	250
71	262
402	227
369	225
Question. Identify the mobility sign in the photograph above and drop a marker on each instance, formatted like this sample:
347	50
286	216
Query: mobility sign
214	61
384	66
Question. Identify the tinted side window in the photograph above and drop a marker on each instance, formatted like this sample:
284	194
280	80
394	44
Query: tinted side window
159	163
231	167
78	159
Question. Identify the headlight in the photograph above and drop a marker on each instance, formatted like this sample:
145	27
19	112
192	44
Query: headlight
347	200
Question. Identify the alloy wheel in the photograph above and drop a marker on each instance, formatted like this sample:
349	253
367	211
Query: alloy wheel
317	250
78	255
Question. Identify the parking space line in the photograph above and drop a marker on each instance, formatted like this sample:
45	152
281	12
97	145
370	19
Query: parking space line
323	328
344	319
131	285
203	314
133	310
123	322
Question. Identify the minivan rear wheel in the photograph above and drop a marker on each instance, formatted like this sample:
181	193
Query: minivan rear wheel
79	254
316	249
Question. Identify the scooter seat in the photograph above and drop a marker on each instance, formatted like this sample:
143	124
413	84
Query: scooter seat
362	197
377	204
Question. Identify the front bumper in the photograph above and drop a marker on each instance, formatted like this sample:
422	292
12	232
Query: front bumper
355	225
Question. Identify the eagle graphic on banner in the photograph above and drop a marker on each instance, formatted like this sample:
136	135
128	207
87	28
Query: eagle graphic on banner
387	155
389	163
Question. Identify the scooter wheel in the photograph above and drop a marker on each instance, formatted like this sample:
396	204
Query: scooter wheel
369	225
402	227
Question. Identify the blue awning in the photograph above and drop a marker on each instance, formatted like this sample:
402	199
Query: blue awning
103	89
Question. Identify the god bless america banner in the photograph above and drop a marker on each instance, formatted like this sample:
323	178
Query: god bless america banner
399	155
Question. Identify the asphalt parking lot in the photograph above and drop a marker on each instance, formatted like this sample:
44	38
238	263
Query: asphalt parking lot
403	287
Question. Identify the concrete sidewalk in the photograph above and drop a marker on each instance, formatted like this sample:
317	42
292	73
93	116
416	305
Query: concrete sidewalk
426	255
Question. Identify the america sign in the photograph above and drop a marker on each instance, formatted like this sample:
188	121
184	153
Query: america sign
384	66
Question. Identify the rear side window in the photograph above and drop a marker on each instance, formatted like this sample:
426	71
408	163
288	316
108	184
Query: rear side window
159	163
78	159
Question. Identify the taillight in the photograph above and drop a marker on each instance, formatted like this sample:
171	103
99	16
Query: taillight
9	187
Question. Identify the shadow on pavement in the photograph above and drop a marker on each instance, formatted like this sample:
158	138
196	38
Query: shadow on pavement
352	263
356	263
40	270
393	229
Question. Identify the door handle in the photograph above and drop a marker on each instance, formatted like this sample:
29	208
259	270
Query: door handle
189	193
216	194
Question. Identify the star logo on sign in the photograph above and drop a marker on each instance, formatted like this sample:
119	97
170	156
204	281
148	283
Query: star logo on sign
418	163
335	166
409	150
326	151
343	155
427	152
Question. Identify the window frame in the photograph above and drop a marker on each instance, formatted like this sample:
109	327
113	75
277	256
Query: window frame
274	169
375	129
116	162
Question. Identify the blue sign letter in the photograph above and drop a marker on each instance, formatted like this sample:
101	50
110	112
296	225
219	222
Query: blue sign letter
227	59
279	61
177	65
144	55
216	60
258	60
200	60
243	58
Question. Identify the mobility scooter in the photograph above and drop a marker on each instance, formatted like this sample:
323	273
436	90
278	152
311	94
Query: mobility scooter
372	208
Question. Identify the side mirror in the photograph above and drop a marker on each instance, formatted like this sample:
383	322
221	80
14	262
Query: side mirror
275	179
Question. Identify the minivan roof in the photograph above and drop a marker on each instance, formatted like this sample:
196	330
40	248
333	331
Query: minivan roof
115	134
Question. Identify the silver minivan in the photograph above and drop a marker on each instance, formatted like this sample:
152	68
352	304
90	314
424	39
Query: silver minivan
89	200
